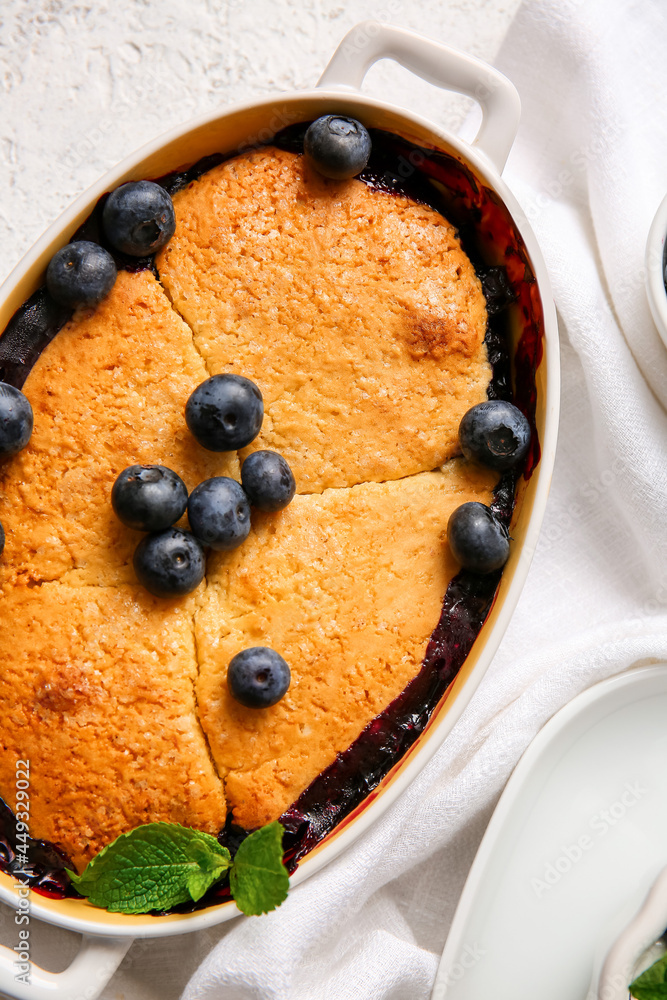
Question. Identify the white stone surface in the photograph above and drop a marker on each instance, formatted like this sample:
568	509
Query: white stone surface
85	83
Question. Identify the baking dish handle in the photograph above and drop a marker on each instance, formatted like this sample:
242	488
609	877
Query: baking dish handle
437	64
94	965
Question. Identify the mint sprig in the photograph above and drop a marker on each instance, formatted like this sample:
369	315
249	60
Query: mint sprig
159	865
652	984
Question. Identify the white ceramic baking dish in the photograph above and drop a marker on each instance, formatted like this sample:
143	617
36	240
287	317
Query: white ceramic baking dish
108	936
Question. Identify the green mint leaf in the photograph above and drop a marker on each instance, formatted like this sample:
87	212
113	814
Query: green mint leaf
258	878
153	867
210	868
652	984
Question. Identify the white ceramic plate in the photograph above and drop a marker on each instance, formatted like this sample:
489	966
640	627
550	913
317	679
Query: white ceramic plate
577	839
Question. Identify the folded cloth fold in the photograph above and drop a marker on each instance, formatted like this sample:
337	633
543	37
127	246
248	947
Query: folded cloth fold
589	168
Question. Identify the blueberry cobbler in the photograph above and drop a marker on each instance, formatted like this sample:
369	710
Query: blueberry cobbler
237	423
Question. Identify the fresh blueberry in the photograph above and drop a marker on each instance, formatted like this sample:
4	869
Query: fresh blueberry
225	412
267	480
337	147
149	497
219	513
138	218
15	420
2	539
169	563
258	677
478	541
495	434
80	274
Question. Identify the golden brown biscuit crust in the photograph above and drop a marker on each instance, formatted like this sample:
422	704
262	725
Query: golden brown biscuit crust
96	675
347	586
97	692
362	321
109	391
356	312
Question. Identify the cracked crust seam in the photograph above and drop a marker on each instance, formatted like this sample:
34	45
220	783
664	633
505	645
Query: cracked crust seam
180	315
313	493
212	759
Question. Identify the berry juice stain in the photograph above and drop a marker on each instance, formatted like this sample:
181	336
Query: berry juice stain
488	236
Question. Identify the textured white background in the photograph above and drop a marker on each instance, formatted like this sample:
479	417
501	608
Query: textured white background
84	84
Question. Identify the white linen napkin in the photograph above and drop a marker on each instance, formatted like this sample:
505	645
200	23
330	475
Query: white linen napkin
589	168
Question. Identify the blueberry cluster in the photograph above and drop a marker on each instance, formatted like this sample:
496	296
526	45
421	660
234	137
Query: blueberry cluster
138	219
495	434
224	413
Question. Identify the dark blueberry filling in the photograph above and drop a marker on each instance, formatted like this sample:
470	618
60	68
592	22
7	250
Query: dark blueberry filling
396	167
31	328
45	867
